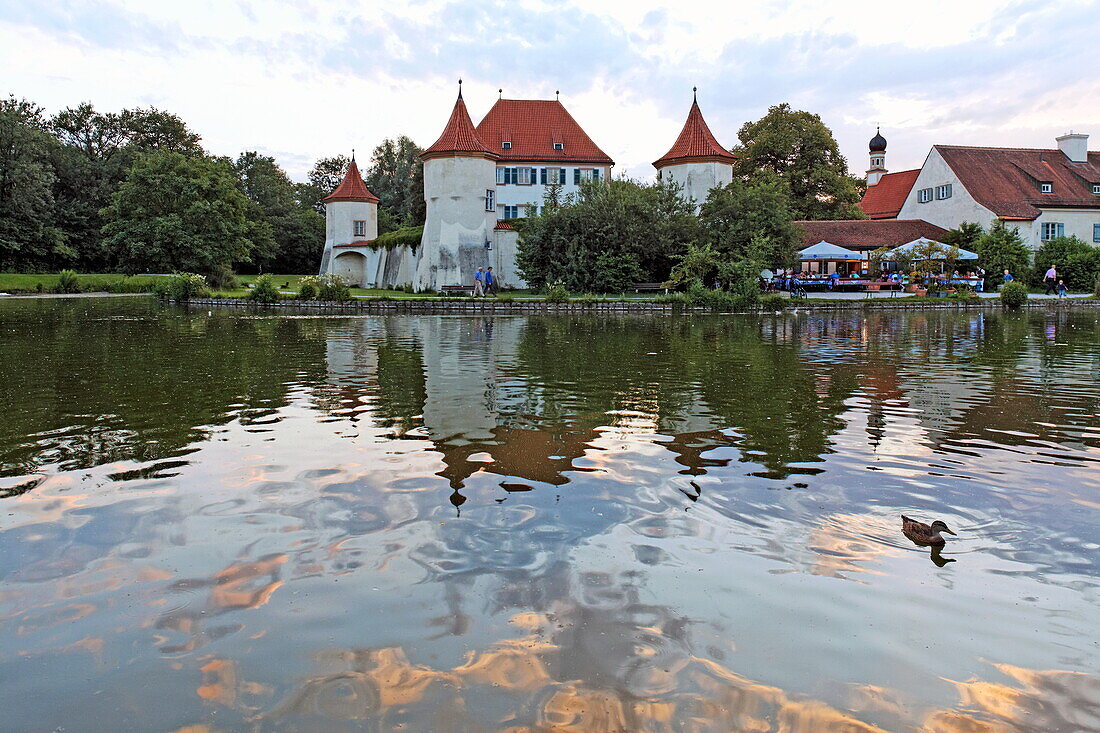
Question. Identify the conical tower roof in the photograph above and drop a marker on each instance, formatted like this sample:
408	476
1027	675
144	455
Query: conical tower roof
696	143
459	139
352	188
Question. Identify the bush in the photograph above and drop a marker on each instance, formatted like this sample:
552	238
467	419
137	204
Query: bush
1013	295
331	288
1077	261
309	287
1096	288
182	287
222	278
67	282
774	301
130	285
557	293
404	237
264	289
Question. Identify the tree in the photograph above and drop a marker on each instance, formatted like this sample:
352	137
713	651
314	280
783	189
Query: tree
735	214
964	236
998	250
396	177
289	237
1077	262
28	238
323	178
800	149
607	237
179	213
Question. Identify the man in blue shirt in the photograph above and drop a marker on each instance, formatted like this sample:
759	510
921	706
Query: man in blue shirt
479	282
490	282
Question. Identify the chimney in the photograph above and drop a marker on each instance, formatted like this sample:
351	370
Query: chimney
1075	145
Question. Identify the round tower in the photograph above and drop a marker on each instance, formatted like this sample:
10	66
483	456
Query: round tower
696	160
459	193
877	148
351	224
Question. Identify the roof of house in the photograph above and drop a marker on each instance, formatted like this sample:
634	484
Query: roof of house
867	234
885	199
533	126
695	142
459	139
1006	180
504	225
352	188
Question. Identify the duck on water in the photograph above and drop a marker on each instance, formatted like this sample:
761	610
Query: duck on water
922	533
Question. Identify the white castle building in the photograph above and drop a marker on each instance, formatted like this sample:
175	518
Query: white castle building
696	160
476	179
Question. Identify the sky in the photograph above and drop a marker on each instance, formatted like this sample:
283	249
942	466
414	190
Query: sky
303	80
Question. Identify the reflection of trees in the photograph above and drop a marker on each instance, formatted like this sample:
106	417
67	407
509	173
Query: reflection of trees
89	382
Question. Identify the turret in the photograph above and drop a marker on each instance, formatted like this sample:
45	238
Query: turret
877	148
459	193
351	223
696	160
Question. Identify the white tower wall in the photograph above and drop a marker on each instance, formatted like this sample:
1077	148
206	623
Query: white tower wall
698	178
340	218
457	225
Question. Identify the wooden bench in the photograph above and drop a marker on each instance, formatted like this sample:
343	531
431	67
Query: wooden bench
649	287
456	289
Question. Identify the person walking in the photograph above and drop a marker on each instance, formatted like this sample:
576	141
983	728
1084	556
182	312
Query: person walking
490	283
1050	279
1062	289
1008	277
479	282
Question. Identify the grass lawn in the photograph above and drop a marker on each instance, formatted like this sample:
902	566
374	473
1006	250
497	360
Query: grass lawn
11	282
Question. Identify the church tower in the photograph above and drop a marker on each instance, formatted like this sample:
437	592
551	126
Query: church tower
696	161
877	148
459	193
351	223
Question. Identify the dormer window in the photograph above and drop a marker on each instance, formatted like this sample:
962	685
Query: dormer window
559	146
1095	188
1046	188
506	145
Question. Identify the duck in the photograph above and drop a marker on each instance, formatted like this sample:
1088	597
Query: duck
922	533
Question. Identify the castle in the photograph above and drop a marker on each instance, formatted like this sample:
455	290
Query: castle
477	179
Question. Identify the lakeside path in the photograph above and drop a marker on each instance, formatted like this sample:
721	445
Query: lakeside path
61	296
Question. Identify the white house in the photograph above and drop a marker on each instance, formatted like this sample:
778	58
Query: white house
1042	193
696	160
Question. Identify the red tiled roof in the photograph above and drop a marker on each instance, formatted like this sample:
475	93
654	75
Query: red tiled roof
695	141
504	225
352	188
360	243
884	201
1006	180
533	126
867	234
459	138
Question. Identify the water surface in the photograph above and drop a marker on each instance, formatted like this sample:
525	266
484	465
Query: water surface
215	521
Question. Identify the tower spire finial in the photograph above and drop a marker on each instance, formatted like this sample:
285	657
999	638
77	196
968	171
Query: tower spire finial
500	93
557	94
353	155
460	89
695	95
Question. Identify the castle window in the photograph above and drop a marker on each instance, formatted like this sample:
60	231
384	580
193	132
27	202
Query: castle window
1096	232
1095	188
525	176
943	192
511	212
500	176
360	228
1052	229
924	195
490	200
506	145
1046	188
559	146
553	176
506	176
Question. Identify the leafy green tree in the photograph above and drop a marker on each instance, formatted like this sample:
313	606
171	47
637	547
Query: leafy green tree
396	177
322	179
28	238
179	213
96	149
289	237
607	237
1077	262
998	250
964	236
735	214
800	149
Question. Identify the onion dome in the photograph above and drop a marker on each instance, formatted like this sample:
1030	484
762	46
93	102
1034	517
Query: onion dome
878	143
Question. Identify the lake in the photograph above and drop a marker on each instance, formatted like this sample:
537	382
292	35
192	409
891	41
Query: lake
221	521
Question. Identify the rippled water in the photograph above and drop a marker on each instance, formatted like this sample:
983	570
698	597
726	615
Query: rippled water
213	521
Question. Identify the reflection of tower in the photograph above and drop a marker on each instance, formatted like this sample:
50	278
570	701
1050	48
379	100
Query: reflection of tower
696	160
351	224
877	148
459	192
